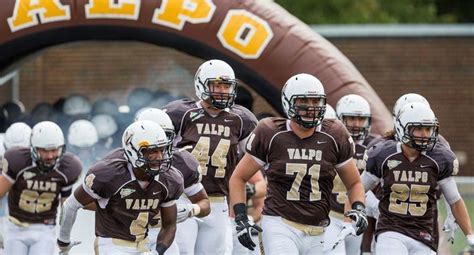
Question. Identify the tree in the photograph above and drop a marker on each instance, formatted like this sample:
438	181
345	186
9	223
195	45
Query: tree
378	11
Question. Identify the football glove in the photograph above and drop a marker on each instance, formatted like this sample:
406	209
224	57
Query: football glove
185	211
470	241
244	226
449	227
357	214
346	230
64	248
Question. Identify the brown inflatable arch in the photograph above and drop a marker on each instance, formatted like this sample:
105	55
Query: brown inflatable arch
264	43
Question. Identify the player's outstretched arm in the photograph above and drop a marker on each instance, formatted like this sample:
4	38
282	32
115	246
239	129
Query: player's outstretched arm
68	216
355	190
245	169
458	207
168	228
5	185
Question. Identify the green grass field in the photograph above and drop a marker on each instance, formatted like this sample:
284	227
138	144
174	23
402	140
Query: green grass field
460	240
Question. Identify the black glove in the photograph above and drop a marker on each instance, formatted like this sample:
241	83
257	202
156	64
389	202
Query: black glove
357	214
244	226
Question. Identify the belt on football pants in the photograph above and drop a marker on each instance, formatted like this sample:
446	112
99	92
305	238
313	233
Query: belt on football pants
217	199
18	222
141	246
307	229
336	215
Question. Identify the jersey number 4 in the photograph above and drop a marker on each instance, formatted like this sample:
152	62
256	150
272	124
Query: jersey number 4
218	158
301	170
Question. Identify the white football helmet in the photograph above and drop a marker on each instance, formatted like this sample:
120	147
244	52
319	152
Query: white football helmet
46	135
158	116
405	99
353	105
77	105
330	112
304	86
17	135
414	115
215	71
142	138
105	125
82	134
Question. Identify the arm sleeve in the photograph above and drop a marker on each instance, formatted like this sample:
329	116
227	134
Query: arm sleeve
450	190
369	181
68	217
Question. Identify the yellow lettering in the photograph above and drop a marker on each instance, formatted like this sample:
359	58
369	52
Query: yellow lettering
121	9
29	13
175	14
244	34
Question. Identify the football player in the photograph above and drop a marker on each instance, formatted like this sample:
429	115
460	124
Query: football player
129	189
195	203
409	171
216	129
37	178
301	155
372	200
354	112
17	135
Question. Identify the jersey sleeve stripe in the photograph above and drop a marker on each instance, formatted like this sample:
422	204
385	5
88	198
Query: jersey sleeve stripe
193	189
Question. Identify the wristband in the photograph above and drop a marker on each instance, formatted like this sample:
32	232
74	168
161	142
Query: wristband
358	205
196	210
240	208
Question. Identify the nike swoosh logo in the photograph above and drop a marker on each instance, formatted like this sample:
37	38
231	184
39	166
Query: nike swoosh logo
226	120
56	179
182	211
158	192
424	166
321	142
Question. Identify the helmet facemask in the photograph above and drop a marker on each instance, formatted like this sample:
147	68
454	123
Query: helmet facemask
417	142
307	115
150	163
219	100
357	132
46	166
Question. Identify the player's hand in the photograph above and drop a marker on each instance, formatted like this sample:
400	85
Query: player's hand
64	248
184	211
244	228
470	241
449	227
357	214
346	230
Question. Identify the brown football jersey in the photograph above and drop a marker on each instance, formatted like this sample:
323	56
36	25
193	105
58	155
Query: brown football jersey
214	139
185	162
124	208
300	172
339	192
34	196
408	189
